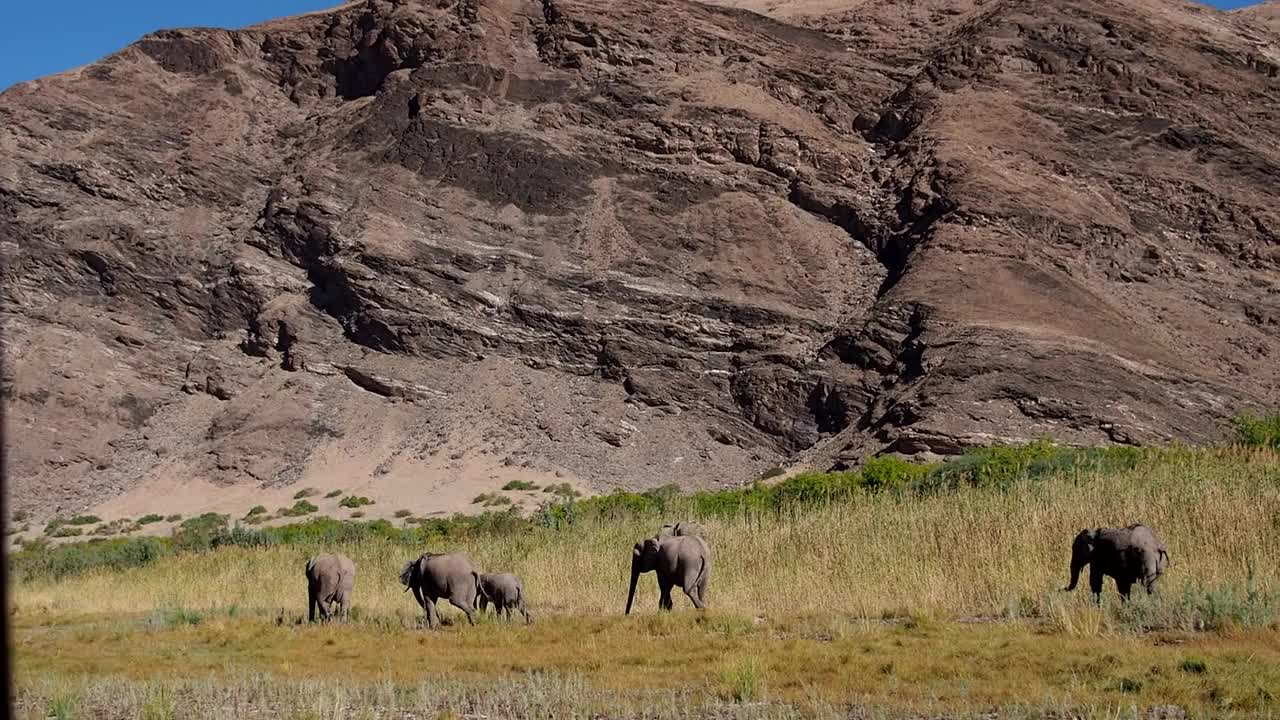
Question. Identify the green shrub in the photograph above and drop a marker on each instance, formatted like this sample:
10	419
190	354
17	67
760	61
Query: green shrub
520	485
174	517
1262	432
200	532
333	494
84	520
56	561
66	531
150	518
403	513
305	493
1194	666
498	500
481	498
354	501
300	508
256	510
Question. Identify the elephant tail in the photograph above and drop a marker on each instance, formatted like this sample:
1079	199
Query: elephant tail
475	578
1164	557
702	572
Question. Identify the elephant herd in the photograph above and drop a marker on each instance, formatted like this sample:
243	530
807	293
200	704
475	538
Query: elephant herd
680	557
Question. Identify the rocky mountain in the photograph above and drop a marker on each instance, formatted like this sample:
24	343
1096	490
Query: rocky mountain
416	248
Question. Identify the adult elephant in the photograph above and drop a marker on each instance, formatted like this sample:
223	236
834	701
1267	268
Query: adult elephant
451	576
331	578
1132	554
683	560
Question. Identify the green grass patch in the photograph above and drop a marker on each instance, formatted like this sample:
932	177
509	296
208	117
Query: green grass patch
1261	432
300	508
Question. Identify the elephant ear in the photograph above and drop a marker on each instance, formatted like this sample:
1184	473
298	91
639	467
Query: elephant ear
406	575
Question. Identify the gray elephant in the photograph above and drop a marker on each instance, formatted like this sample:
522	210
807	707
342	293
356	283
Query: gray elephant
683	560
680	529
331	578
450	576
1128	554
505	591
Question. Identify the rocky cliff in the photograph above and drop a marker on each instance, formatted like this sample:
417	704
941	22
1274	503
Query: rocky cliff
416	245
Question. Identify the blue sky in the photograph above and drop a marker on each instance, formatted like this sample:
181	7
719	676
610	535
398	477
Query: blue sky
41	37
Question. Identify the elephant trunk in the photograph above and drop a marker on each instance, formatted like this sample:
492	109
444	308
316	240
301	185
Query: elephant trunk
635	576
1076	566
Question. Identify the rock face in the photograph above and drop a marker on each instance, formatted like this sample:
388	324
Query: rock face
637	242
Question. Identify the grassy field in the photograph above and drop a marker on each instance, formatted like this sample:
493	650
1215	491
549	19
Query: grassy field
936	603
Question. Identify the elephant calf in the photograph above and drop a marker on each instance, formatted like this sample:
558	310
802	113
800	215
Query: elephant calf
505	591
1128	554
683	560
450	576
330	579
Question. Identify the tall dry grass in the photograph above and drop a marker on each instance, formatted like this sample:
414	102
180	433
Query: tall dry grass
968	552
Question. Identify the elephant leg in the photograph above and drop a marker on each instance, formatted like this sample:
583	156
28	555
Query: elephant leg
664	599
311	607
433	615
1124	587
693	593
1095	583
464	607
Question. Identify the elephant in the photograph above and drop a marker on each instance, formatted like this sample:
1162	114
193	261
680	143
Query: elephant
451	576
330	579
1128	554
505	591
680	529
683	560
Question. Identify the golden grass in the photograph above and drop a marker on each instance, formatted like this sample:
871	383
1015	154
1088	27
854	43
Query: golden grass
972	552
796	620
903	667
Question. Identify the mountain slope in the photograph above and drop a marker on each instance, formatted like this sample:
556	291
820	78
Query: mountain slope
416	249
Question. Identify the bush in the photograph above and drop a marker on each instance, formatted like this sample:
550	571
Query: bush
256	510
305	493
520	485
333	494
174	517
498	500
1261	432
123	525
562	490
66	531
84	520
403	513
148	519
300	508
481	498
200	532
354	501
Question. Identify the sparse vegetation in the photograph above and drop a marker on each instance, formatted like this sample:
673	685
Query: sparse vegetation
358	514
520	485
122	525
20	516
563	490
300	508
354	501
305	493
149	519
256	510
84	520
173	518
403	513
66	531
772	472
332	494
482	498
